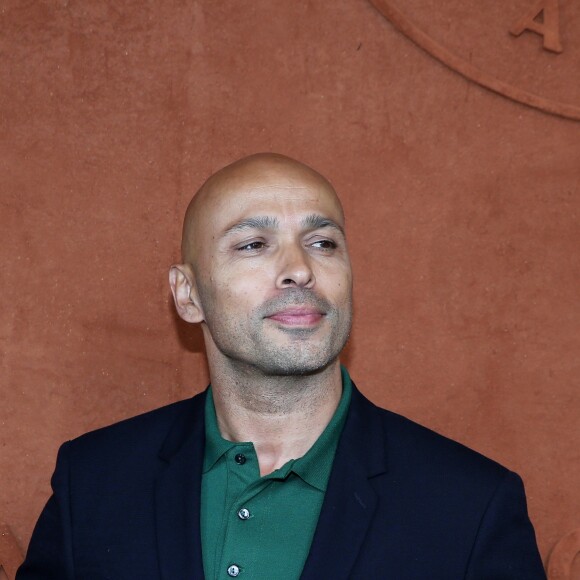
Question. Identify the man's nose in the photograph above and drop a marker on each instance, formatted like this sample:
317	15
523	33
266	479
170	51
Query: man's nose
295	269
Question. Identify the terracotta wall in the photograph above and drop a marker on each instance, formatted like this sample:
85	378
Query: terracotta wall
462	205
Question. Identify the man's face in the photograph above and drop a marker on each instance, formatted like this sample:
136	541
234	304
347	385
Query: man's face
273	275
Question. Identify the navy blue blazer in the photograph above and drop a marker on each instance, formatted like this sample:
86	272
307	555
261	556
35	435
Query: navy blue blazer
402	503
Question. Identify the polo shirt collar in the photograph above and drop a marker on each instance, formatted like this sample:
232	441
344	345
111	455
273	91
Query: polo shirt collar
314	467
215	444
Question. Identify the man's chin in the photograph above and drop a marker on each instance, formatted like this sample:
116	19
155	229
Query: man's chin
290	361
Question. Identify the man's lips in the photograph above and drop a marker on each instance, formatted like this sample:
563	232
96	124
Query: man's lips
297	316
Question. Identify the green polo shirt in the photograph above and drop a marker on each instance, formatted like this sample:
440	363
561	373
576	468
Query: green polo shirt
255	527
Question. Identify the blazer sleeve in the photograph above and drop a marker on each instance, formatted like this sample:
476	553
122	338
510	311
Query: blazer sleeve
505	548
49	555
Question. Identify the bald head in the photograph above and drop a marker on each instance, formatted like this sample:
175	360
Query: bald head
266	269
251	176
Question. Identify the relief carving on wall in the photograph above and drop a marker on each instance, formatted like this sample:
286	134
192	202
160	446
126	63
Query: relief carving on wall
549	26
476	39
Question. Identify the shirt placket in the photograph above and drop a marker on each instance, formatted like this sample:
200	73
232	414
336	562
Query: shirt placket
243	484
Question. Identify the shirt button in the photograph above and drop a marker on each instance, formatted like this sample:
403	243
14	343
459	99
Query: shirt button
240	459
234	571
244	514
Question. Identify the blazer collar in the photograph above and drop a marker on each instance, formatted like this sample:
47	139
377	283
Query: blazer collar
178	493
350	501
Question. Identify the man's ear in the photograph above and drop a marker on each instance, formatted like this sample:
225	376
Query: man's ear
182	282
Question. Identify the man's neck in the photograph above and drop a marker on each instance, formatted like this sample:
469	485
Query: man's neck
281	416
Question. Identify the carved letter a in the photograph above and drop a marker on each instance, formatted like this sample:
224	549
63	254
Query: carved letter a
549	28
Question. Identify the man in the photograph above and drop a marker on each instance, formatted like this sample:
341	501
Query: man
282	469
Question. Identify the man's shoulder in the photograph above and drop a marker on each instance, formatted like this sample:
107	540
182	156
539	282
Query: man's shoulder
413	449
145	431
433	447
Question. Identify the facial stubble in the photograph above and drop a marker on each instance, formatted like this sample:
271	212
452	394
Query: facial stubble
259	344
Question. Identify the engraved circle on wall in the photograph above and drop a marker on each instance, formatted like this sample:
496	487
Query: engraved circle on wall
527	51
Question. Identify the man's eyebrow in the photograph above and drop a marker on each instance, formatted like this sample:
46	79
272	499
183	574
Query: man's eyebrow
315	221
254	223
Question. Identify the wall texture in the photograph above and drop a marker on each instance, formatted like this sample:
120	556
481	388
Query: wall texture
462	206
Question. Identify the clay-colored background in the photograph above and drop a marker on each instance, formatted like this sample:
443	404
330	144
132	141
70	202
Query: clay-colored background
462	208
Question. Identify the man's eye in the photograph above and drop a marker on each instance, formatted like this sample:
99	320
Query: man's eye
324	244
251	246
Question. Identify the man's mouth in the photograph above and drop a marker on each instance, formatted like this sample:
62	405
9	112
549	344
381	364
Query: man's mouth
297	316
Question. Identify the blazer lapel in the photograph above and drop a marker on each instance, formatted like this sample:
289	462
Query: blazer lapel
350	501
177	497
